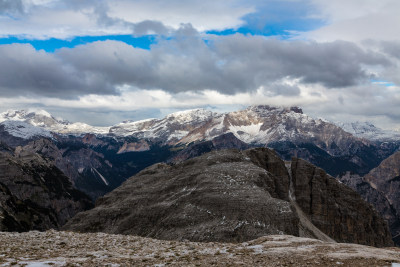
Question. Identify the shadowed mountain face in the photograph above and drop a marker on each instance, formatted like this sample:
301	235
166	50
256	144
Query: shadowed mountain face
378	199
381	188
34	194
229	195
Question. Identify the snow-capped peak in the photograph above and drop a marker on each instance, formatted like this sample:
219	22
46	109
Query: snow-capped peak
24	130
266	110
24	114
36	117
185	116
44	120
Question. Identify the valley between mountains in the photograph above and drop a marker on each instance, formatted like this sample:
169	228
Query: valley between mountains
201	176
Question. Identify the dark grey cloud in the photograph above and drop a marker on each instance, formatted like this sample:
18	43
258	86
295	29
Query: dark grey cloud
391	48
100	10
11	7
25	71
150	27
185	62
227	64
336	64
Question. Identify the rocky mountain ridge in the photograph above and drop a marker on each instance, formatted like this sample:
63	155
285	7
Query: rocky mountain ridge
98	160
228	195
256	124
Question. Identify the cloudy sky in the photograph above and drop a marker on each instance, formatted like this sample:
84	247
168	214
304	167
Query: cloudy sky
104	61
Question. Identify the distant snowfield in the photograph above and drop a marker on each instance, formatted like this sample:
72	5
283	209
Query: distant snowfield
53	248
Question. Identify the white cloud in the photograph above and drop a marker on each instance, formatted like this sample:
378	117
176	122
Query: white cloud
42	19
202	14
356	20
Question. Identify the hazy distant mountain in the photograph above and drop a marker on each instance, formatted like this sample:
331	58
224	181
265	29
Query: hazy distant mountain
369	131
44	120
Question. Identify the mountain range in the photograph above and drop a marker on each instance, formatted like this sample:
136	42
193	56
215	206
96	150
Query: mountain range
97	160
248	125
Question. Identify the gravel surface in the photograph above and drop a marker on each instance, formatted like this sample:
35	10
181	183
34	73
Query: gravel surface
53	248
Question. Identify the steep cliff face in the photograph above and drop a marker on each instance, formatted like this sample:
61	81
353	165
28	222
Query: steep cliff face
335	209
377	199
34	194
386	179
229	195
87	169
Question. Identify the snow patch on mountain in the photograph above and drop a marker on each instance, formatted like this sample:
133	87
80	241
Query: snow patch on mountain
78	128
246	133
24	130
189	116
172	128
369	131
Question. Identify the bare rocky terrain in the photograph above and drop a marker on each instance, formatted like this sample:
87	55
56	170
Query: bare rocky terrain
54	248
235	196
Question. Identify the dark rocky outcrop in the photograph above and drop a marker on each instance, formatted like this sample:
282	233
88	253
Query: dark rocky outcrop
34	194
87	169
386	179
381	188
229	195
335	209
375	198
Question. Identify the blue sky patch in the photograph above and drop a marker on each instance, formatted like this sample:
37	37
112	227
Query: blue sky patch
277	18
50	45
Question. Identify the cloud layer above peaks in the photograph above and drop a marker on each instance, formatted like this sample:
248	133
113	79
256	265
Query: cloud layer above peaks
338	59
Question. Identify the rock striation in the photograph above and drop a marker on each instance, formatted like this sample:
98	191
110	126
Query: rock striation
234	196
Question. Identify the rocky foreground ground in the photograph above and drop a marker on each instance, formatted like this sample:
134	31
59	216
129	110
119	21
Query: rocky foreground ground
53	248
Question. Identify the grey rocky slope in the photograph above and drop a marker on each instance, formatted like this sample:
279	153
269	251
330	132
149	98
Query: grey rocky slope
35	194
229	195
